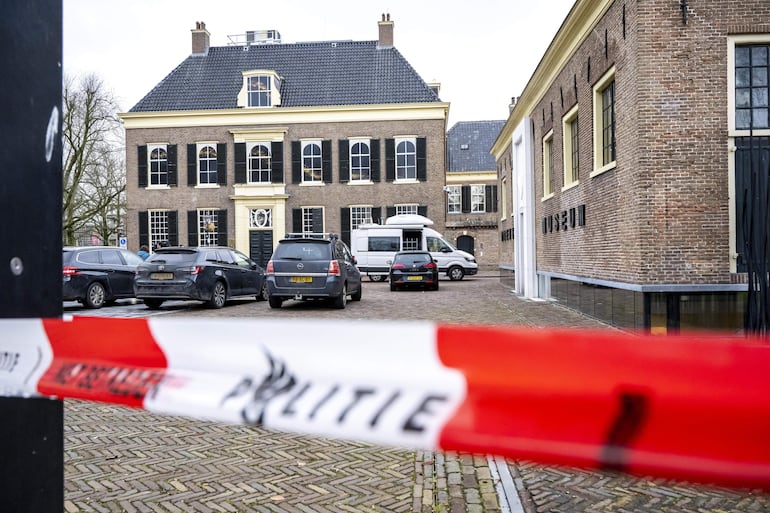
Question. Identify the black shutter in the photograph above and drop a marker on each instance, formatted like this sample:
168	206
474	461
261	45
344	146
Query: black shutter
141	167
466	198
276	162
345	225
173	228
222	227
296	163
318	220
192	228
374	159
344	156
192	168
376	214
222	164
326	160
422	210
144	229
296	220
422	165
240	162
390	160
490	192
390	212
173	179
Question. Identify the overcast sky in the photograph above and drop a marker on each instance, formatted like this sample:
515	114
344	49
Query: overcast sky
482	52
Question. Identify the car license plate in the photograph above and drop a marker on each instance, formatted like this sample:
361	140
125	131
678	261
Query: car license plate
301	279
162	276
414	278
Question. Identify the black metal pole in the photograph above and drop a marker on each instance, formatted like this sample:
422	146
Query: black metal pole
31	430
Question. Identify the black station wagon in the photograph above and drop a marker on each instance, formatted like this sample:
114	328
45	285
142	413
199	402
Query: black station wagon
98	275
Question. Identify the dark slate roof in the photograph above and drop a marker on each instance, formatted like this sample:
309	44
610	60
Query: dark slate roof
314	74
478	136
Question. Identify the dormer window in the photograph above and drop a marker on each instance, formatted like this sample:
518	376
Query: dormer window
261	88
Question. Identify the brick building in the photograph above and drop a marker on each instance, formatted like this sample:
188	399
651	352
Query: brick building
471	189
622	156
243	143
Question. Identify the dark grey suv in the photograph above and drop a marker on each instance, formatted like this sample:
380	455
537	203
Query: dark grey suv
312	267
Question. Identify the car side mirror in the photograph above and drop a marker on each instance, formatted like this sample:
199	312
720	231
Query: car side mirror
446	250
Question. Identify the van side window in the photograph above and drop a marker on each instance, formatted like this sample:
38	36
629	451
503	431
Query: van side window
435	244
384	244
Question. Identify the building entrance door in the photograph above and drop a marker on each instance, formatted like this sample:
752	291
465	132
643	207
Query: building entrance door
752	198
261	246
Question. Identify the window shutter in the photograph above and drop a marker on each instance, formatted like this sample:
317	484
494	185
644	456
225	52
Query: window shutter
173	179
490	192
240	162
390	211
390	160
173	228
144	229
344	157
141	167
465	201
422	165
374	159
326	160
345	224
192	228
318	220
296	220
222	164
296	163
192	165
222	227
376	214
422	210
276	162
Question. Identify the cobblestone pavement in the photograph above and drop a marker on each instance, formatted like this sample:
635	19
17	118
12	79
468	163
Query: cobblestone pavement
124	460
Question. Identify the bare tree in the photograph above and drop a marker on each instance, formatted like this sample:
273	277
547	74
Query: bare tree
94	181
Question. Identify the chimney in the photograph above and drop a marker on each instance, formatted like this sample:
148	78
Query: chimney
200	38
386	32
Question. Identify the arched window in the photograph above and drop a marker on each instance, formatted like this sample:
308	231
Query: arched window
259	163
207	165
360	169
406	160
312	170
158	166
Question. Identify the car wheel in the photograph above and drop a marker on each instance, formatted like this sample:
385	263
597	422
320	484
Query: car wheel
275	302
96	296
341	300
357	295
153	304
456	273
262	296
218	295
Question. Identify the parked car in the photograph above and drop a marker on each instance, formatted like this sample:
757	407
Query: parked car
98	275
413	269
212	274
312	267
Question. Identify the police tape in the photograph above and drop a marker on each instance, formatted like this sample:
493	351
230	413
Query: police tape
689	408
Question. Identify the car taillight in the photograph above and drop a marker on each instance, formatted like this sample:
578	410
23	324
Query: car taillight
194	269
430	265
70	271
398	266
334	268
270	268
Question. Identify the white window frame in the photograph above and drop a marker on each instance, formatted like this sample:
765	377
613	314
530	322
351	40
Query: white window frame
478	199
313	169
454	201
568	148
364	172
272	95
307	219
157	223
732	42
360	214
406	159
407	208
598	136
199	148
151	148
269	159
208	226
547	171
260	218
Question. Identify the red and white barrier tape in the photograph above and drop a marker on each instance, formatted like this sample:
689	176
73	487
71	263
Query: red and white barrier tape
693	408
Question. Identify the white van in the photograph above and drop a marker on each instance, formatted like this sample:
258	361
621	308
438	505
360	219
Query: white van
374	245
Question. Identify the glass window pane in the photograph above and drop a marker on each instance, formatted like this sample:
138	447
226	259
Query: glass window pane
742	98
742	118
759	56
759	77
760	118
742	56
743	77
759	97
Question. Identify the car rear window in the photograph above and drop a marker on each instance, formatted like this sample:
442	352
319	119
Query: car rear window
303	251
174	257
417	258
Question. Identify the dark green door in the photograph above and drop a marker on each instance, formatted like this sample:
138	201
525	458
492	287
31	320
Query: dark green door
261	246
752	198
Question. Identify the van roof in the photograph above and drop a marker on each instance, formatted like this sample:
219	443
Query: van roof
409	219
